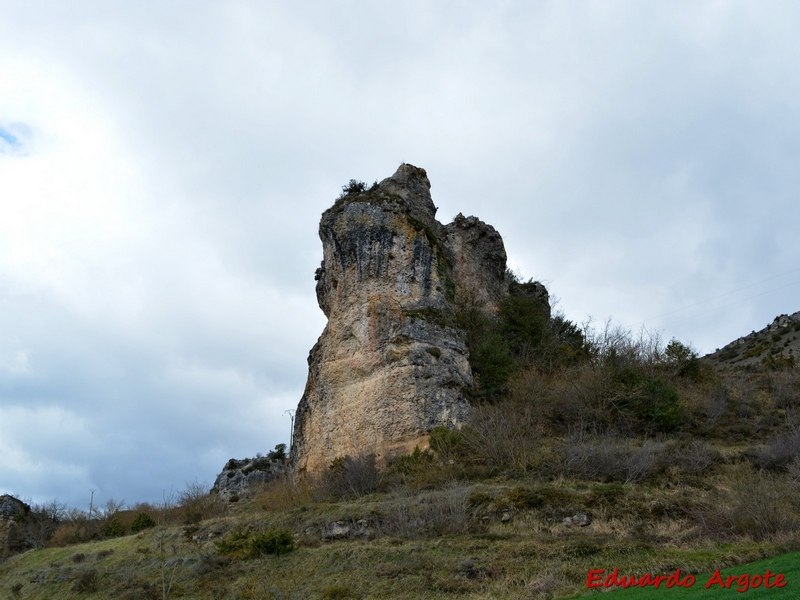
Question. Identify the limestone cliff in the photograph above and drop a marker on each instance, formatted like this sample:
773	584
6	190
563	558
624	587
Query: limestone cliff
383	372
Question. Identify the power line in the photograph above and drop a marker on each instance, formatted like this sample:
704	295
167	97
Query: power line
732	303
672	312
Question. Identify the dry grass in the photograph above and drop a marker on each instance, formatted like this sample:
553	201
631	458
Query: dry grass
447	542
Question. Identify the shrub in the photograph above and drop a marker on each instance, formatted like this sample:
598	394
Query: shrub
286	493
71	533
492	364
279	453
353	188
408	464
274	541
196	503
524	498
716	404
435	513
113	528
524	320
142	521
588	460
683	359
778	453
762	505
210	562
776	360
505	435
520	333
785	388
248	544
658	405
447	443
644	462
604	460
85	582
139	590
697	457
352	476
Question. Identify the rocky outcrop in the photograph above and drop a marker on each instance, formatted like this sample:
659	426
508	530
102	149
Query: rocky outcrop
240	476
12	512
775	346
12	509
478	259
388	368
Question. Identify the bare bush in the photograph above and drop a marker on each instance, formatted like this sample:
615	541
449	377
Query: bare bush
165	511
778	453
579	402
448	512
111	508
34	531
696	457
438	513
353	476
85	582
716	404
601	459
505	435
197	503
403	515
617	343
286	493
643	462
54	510
785	388
755	504
588	460
761	505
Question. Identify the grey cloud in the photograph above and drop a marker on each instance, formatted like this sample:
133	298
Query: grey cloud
640	158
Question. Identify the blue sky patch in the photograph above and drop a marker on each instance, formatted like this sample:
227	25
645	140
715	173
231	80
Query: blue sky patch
8	137
13	137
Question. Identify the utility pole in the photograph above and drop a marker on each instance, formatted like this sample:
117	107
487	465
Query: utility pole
290	412
91	502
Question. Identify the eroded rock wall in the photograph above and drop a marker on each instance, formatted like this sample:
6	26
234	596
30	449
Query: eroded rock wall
383	372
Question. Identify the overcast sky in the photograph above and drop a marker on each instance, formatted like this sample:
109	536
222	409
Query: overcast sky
164	164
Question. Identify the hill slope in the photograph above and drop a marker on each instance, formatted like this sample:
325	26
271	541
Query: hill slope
778	342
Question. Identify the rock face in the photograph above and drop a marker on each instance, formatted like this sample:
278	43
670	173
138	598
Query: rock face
386	369
12	508
12	511
239	476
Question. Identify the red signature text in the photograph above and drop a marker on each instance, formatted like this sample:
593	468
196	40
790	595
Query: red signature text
599	578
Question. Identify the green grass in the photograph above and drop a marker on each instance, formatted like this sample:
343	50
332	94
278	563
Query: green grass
787	564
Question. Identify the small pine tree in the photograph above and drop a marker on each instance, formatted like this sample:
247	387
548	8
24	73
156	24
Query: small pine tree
142	521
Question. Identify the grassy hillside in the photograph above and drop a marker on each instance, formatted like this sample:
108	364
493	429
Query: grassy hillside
778	343
440	543
586	450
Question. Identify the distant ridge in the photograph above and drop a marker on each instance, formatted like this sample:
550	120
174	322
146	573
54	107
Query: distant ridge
777	345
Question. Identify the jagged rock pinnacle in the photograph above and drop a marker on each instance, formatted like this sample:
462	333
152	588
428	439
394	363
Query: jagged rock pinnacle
387	368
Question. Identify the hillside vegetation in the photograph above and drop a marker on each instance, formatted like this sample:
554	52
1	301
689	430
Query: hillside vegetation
588	448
